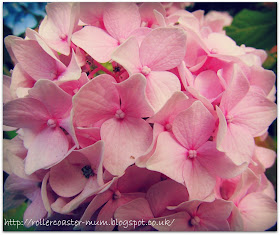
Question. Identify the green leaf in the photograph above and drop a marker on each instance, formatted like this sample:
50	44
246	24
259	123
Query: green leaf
254	29
10	134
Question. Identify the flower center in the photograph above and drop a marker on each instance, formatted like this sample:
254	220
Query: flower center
119	114
195	221
191	154
52	123
229	118
63	37
87	171
145	70
168	127
117	194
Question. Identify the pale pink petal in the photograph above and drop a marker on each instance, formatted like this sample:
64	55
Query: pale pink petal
160	87
194	174
7	96
92	12
214	215
254	112
176	104
96	42
160	18
120	153
120	19
66	179
9	41
140	34
40	155
238	144
235	92
87	136
166	193
57	101
44	193
141	161
194	126
127	54
137	210
25	112
36	210
96	101
208	84
72	72
265	156
35	61
162	162
165	55
217	162
147	12
134	103
235	220
259	212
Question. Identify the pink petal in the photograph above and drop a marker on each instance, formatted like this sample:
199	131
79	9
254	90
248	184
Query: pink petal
143	179
194	126
57	101
44	193
160	87
137	210
134	104
265	156
208	84
9	41
67	180
25	112
166	55
194	174
177	222
40	155
119	153
35	61
259	212
87	136
254	112
127	54
92	12
166	193
162	162
35	211
217	162
72	72
96	42
235	92
176	104
147	12
20	79
120	19
96	101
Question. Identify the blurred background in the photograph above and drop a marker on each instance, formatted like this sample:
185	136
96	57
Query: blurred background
259	18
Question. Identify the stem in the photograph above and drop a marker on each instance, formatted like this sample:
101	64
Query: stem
101	67
90	76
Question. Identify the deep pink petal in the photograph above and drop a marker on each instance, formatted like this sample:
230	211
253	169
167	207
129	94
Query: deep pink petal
166	193
120	153
166	55
147	12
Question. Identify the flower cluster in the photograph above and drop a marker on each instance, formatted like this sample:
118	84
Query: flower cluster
135	112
